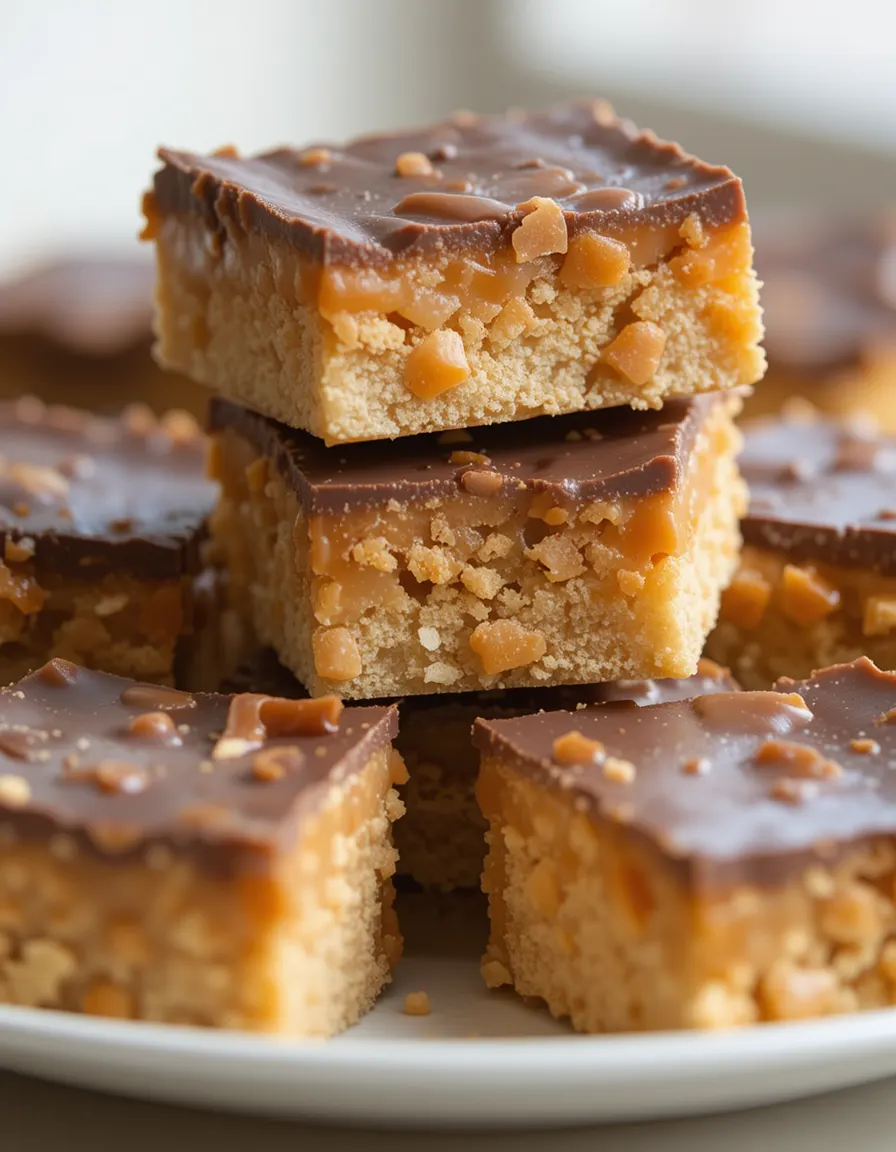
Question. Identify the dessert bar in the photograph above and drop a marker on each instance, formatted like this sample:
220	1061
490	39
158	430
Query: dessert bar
576	549
79	331
194	859
705	864
829	301
480	270
817	577
101	522
441	840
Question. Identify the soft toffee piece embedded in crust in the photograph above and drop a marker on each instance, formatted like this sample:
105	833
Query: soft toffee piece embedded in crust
817	578
704	864
482	270
441	839
101	522
79	331
195	859
829	294
577	549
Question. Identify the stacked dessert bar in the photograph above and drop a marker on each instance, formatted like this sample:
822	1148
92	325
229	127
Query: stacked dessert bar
477	432
474	390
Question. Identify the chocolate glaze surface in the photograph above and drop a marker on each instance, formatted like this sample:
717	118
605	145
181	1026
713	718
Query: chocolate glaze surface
736	821
615	453
347	205
217	811
821	490
96	494
829	290
91	306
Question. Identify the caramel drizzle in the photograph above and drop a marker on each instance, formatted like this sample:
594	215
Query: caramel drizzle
254	718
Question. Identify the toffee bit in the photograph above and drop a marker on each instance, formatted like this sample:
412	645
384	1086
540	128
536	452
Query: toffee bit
865	745
15	791
618	770
157	727
119	776
696	766
790	791
254	718
275	763
417	1004
482	483
115	776
574	748
59	673
156	697
468	458
800	760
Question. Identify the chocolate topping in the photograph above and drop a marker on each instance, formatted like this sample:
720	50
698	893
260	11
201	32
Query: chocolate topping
94	776
90	306
613	454
749	815
829	291
821	491
95	494
348	204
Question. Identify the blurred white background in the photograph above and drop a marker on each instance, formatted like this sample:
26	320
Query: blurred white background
797	95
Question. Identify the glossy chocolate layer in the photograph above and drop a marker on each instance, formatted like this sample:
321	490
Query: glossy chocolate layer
90	495
821	490
90	306
347	204
743	817
829	290
613	454
63	723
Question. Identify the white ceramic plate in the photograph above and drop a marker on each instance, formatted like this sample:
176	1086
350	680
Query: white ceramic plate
480	1059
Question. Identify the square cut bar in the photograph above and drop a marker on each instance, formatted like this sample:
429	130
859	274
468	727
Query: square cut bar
481	270
577	549
706	864
829	296
817	577
101	522
441	838
79	331
194	859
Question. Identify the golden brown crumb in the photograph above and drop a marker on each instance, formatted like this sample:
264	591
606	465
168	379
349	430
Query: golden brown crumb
15	791
417	1004
619	771
413	164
